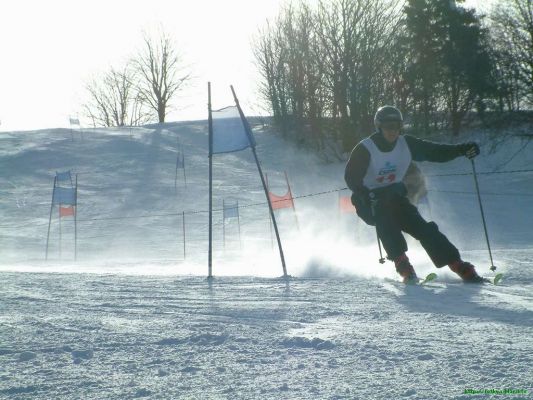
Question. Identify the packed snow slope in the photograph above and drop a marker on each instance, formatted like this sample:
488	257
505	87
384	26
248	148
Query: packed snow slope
134	316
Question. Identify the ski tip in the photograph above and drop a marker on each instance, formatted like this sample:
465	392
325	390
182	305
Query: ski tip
498	278
430	277
495	280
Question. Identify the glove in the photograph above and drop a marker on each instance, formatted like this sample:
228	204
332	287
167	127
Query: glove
390	192
469	150
363	206
360	199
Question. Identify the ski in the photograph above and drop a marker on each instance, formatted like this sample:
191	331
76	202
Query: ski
422	281
495	280
429	278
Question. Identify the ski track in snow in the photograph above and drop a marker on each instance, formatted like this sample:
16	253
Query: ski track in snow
133	322
107	336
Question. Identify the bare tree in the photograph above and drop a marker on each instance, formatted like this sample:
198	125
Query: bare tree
358	49
512	38
270	57
114	100
160	73
97	108
289	60
326	69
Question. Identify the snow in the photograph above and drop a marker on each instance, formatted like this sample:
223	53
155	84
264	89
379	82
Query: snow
134	318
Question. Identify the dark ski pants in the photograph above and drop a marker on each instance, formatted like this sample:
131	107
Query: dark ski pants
396	215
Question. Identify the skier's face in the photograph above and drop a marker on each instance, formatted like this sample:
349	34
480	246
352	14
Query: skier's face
390	133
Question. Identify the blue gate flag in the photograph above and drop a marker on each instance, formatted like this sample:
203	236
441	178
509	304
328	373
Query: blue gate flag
231	210
64	196
180	160
64	176
230	133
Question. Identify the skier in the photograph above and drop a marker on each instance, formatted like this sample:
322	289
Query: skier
375	172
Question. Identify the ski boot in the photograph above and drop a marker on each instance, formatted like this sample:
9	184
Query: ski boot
405	269
466	271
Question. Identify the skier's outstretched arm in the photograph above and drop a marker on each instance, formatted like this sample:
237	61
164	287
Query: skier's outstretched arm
424	150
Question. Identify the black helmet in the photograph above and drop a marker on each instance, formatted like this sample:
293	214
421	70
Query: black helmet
388	114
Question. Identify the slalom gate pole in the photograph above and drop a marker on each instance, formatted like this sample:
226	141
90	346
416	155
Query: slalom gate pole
224	223
176	175
492	266
76	220
183	164
292	201
184	240
271	210
269	217
239	225
60	238
50	218
210	124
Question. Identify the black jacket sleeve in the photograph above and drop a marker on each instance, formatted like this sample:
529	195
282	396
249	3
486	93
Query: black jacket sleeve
424	150
353	175
356	169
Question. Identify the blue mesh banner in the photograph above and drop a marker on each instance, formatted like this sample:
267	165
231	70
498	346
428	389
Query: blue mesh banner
231	210
229	131
180	160
63	176
64	196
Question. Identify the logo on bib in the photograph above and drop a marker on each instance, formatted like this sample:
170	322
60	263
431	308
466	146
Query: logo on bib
387	173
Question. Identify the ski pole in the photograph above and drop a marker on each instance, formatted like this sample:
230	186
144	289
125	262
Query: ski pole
492	266
381	259
372	207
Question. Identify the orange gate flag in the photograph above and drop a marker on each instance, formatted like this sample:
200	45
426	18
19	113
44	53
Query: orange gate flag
66	211
278	202
345	204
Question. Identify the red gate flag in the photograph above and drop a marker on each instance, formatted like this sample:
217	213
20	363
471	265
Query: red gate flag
278	202
345	204
66	211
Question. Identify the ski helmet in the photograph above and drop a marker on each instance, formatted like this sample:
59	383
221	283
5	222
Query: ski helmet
388	114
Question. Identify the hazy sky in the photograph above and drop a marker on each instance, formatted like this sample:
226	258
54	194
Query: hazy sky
50	49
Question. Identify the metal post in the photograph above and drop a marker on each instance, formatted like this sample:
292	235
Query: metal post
292	200
210	125
183	223
183	165
50	219
269	217
224	223
239	225
60	238
76	220
282	257
176	174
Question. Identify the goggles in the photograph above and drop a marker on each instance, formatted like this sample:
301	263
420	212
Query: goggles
391	125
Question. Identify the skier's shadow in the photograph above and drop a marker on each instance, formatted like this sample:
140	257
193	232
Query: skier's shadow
460	299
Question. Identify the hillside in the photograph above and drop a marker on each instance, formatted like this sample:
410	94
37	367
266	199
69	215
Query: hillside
133	318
